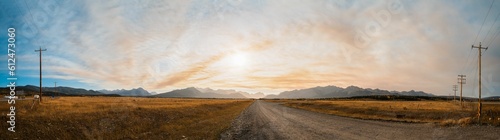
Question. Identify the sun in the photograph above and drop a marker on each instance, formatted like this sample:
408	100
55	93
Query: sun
239	59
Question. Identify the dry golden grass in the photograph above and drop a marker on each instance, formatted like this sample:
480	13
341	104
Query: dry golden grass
123	118
440	112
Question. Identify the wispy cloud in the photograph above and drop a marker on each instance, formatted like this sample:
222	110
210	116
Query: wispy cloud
162	45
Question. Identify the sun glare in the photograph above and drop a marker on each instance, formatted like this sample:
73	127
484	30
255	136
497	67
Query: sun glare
239	59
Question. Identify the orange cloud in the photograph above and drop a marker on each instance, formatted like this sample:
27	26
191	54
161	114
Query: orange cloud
188	73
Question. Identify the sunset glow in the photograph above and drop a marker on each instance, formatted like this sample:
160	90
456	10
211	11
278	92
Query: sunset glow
256	45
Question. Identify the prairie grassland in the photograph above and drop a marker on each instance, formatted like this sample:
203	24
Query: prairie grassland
122	118
439	112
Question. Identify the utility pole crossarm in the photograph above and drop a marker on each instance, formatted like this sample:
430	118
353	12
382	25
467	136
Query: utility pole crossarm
479	47
40	50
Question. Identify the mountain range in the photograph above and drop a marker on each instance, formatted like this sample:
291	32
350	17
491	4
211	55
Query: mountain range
59	91
70	91
338	92
193	92
123	92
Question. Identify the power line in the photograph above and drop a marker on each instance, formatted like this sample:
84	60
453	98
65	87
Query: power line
39	50
34	23
472	68
475	80
472	71
32	18
479	32
493	39
483	22
491	28
466	62
467	69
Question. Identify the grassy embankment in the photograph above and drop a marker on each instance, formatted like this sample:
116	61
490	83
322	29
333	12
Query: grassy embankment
443	113
122	118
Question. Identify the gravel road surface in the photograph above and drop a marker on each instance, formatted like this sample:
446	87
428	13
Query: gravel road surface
266	120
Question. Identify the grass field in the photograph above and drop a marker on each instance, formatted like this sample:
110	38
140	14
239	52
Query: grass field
444	113
122	118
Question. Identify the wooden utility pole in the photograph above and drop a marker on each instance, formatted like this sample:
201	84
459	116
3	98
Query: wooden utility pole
461	81
40	50
455	90
55	89
480	105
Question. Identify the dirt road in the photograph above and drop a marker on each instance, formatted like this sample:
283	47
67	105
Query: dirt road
265	120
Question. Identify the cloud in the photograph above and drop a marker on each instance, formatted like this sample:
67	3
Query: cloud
188	73
158	45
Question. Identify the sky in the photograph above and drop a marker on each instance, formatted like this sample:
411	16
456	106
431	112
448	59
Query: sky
265	46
